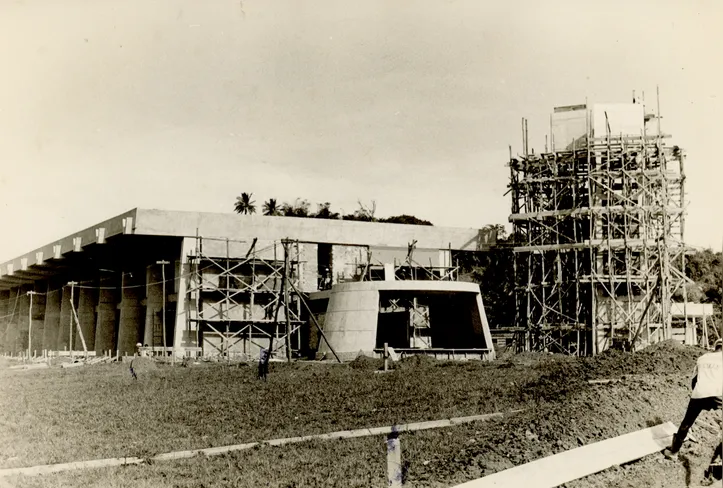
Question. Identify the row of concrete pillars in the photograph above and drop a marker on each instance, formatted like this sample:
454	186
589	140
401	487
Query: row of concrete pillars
115	312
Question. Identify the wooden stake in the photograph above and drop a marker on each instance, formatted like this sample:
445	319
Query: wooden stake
70	339
30	322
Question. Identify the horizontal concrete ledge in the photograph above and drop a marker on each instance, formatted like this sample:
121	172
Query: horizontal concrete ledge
215	451
57	468
564	467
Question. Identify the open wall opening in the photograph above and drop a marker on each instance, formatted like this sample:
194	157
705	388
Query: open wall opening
438	320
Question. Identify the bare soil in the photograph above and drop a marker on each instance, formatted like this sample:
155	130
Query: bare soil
92	412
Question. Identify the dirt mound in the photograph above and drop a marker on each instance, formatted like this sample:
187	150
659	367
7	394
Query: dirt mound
421	361
143	364
366	363
561	411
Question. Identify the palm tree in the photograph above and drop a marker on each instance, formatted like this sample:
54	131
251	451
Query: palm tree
244	204
272	207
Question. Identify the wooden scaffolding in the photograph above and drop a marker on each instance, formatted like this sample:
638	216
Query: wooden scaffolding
599	248
245	298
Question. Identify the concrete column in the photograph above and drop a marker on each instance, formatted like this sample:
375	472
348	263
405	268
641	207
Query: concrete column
154	306
130	328
38	317
4	311
185	332
63	340
11	329
106	320
87	302
54	293
21	341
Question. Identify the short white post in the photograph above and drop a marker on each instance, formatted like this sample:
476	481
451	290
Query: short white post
394	460
386	356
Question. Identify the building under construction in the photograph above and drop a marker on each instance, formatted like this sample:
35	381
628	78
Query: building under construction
227	285
598	221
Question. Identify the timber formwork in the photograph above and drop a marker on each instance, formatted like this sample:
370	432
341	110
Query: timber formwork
244	300
407	269
599	249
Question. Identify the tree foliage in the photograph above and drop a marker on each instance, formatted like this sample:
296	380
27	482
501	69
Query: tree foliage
363	213
705	268
300	208
494	272
244	204
324	212
271	207
405	219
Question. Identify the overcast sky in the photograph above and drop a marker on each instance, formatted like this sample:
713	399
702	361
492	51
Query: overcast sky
183	104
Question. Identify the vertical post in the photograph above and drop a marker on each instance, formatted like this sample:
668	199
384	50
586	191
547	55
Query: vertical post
286	299
30	323
386	356
72	302
163	309
394	460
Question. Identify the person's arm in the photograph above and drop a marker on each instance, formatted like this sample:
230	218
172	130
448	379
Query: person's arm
695	377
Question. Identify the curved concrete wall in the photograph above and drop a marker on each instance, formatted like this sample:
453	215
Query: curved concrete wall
350	323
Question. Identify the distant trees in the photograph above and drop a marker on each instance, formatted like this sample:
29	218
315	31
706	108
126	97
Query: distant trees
405	219
363	213
302	208
706	269
244	204
324	212
494	272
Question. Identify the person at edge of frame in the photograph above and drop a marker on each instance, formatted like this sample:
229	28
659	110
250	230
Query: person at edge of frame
707	394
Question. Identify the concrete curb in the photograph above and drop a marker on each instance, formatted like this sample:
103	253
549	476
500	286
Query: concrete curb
215	451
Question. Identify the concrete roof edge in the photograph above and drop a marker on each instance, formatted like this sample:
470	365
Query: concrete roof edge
232	215
113	226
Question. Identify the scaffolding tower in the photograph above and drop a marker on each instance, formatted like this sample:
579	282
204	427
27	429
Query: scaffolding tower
599	250
244	298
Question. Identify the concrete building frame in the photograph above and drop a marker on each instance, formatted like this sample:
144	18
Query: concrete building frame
118	291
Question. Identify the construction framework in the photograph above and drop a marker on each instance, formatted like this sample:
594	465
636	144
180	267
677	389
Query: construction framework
245	300
407	269
599	240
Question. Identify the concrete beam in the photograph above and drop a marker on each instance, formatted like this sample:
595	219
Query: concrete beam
14	281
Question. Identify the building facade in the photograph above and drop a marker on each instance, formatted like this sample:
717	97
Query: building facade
203	283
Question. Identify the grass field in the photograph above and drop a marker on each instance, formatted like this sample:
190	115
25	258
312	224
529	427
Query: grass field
60	415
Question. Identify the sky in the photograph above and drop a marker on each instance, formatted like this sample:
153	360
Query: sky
182	105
